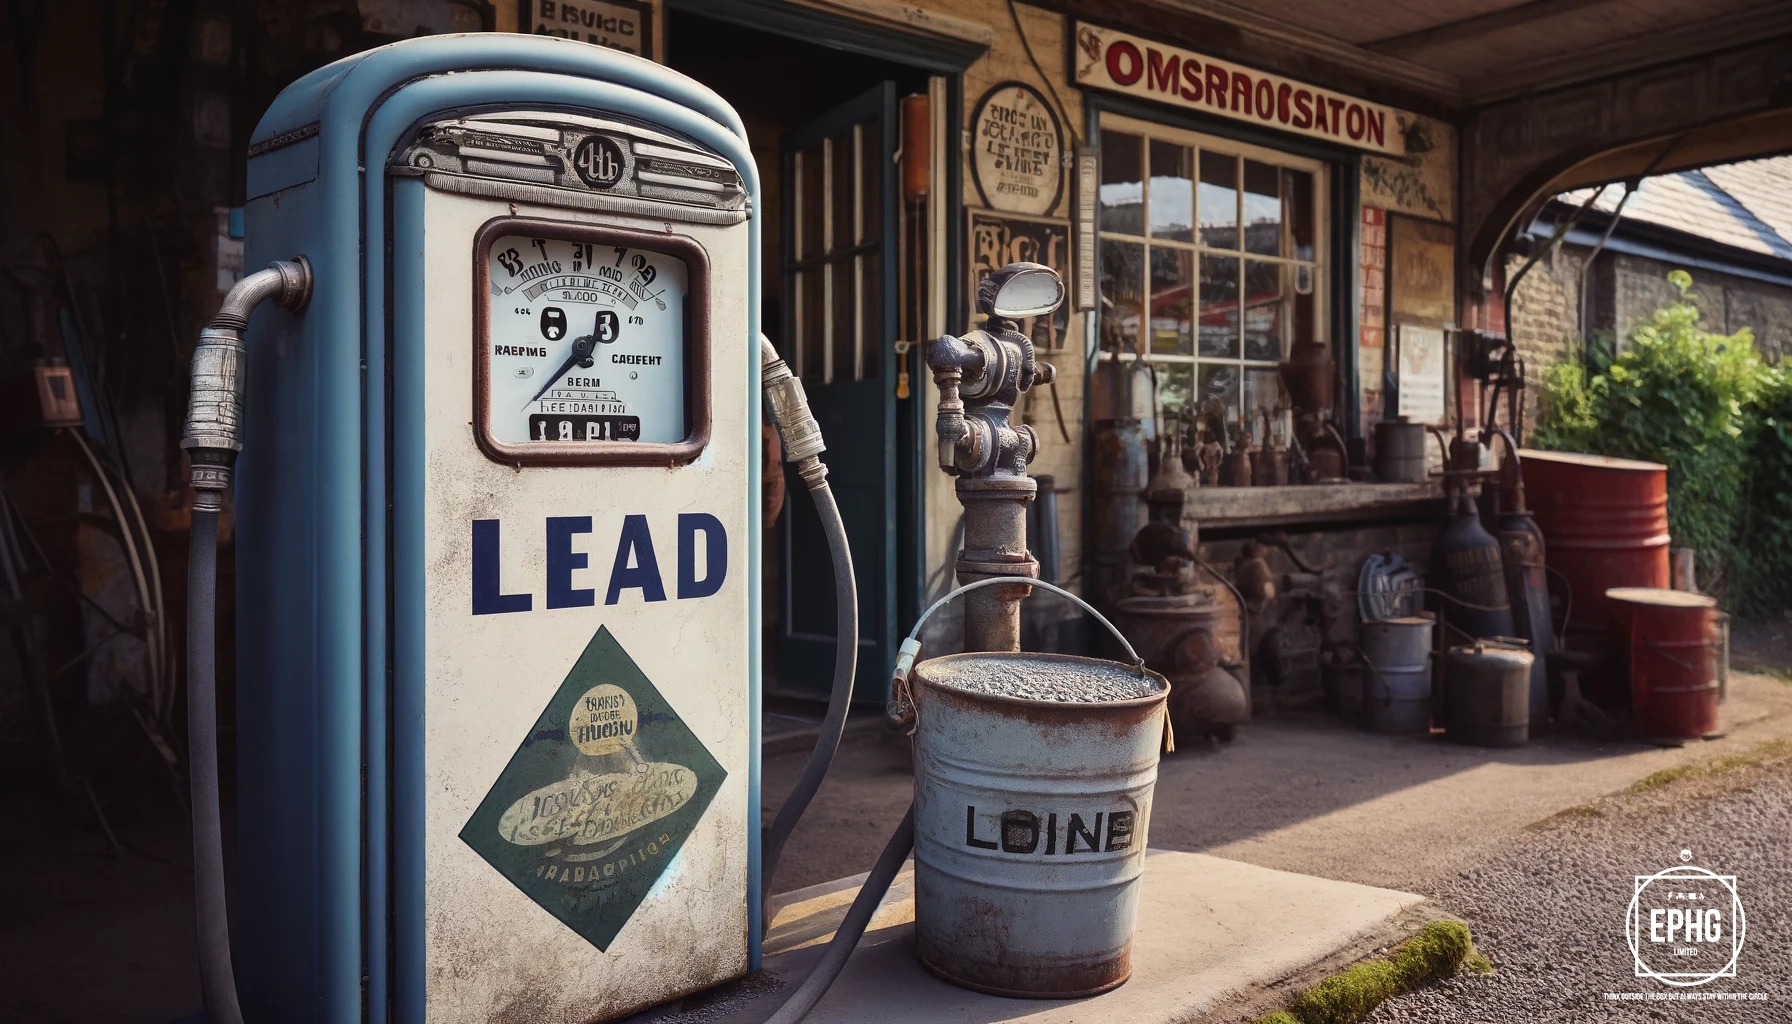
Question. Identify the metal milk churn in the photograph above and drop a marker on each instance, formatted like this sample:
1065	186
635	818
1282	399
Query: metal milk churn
1466	567
1033	783
1487	699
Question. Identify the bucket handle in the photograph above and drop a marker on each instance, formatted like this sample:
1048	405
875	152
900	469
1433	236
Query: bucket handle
901	707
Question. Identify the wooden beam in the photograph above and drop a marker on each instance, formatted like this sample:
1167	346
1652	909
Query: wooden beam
1409	43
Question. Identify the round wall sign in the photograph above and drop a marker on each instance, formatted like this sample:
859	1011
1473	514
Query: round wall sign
1017	154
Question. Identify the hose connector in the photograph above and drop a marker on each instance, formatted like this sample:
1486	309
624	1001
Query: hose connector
213	435
901	707
790	410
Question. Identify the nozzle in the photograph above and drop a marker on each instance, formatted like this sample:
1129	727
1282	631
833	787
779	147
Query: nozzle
213	435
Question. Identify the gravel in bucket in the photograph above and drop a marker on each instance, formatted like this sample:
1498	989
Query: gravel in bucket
1034	678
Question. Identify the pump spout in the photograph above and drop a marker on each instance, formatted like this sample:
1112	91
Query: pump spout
213	437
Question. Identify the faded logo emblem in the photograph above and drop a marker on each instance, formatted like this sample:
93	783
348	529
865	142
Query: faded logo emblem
1685	925
599	798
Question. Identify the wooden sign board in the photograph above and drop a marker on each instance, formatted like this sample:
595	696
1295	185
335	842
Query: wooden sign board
998	239
632	26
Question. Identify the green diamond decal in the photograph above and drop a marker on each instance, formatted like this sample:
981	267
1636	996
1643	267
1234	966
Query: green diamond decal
596	803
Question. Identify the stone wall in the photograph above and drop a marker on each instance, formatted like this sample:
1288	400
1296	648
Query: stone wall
1625	291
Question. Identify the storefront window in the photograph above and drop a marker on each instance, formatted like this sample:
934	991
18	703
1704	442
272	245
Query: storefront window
1211	265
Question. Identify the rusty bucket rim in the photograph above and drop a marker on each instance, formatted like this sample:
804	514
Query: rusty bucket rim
918	675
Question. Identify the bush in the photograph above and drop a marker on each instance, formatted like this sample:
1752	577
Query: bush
1689	398
1766	574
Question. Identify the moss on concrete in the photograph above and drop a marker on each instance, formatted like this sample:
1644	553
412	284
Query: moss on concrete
1767	753
1439	951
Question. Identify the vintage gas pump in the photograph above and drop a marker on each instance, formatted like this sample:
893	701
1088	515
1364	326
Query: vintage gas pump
497	543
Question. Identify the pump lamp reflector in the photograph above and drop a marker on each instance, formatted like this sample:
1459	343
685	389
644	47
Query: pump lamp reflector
1020	290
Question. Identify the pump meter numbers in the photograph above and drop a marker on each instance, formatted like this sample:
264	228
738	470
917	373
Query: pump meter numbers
587	342
585	428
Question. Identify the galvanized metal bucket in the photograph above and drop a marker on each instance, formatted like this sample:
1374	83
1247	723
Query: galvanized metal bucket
1396	674
1031	818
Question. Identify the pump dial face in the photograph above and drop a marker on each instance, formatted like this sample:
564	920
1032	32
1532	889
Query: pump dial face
587	342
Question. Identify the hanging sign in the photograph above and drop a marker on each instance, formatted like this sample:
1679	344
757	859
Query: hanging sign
632	26
1017	150
1420	370
1108	59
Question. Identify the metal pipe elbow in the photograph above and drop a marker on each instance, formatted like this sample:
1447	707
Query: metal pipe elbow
797	428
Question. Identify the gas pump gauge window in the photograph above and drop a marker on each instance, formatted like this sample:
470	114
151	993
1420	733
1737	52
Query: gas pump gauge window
594	348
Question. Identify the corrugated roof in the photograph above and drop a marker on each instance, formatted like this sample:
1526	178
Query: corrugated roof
1746	206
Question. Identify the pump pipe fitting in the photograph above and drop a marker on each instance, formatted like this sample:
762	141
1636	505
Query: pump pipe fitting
797	428
213	435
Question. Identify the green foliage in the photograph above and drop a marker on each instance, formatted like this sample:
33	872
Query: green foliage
1765	575
1691	399
1440	950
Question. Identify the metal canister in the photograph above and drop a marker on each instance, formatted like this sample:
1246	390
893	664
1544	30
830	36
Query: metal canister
1487	693
1399	451
1469	575
1118	474
1396	657
1031	819
1673	642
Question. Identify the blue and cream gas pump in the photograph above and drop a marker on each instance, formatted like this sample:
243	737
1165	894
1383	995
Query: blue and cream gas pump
497	543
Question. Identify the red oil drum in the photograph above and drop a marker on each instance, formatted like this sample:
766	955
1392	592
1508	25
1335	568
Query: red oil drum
1605	525
1668	641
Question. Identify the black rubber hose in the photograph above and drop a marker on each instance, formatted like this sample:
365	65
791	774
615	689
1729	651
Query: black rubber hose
215	975
846	661
852	927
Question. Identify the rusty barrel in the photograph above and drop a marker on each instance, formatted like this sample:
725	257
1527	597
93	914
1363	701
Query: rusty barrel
1669	640
1033	780
1605	525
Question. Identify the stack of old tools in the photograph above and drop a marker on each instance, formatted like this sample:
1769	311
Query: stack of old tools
1174	623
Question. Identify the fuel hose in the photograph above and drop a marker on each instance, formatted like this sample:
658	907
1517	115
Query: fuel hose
803	446
212	439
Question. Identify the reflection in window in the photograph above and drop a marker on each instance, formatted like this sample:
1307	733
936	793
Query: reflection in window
1219	305
1172	191
1122	294
1122	191
1219	200
1264	302
1262	209
1172	297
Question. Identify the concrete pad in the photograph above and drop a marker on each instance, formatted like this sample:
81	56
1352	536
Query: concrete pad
1208	929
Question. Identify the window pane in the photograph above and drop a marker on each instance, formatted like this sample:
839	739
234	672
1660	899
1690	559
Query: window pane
1262	209
1172	300
1172	191
1122	191
1263	393
1306	306
1217	391
1297	194
1266	299
1219	200
1219	305
1122	294
1174	382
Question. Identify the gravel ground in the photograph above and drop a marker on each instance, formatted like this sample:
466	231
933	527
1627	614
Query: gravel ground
1549	911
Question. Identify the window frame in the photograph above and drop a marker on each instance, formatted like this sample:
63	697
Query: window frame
1325	254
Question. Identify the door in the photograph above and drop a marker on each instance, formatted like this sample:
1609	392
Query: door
839	328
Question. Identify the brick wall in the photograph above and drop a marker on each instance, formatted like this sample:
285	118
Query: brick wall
1626	291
